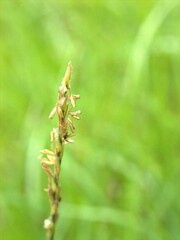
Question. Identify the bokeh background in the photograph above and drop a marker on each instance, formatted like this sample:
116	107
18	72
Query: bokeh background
120	180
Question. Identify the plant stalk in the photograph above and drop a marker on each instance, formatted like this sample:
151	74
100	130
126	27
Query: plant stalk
59	136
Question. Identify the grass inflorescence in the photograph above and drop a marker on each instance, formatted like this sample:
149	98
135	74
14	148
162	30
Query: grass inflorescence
51	159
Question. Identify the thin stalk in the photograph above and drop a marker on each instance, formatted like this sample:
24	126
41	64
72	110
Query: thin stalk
59	136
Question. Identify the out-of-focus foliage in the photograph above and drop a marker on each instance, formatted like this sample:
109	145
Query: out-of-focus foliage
120	179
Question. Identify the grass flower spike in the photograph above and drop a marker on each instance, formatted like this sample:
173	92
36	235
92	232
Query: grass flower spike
51	159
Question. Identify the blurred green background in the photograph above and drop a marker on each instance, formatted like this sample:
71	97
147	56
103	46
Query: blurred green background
120	180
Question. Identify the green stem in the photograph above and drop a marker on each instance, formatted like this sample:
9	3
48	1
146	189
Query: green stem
54	185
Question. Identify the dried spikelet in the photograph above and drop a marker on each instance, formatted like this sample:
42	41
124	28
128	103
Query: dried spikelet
67	77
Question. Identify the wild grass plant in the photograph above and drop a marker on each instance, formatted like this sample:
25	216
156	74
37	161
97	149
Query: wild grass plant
59	136
120	179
